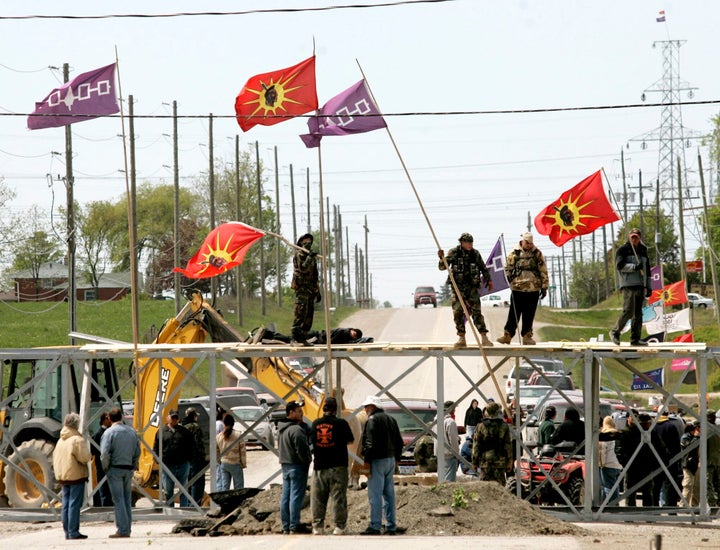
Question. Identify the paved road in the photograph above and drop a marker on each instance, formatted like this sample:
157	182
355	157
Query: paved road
419	325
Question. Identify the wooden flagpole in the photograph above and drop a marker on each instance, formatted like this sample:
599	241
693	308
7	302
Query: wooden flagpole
131	228
437	243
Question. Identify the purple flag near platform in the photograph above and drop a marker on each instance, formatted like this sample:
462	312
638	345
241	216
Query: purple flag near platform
87	96
350	112
494	263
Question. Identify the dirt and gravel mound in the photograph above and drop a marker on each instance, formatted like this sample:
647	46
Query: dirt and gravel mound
474	508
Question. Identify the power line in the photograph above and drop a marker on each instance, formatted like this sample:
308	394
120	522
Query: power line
616	106
226	13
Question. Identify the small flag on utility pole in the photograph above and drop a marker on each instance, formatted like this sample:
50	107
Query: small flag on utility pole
660	16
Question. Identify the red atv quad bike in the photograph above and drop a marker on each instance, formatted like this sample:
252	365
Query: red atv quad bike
565	468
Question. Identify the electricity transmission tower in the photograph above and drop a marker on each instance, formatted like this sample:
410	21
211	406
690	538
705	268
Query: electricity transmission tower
671	135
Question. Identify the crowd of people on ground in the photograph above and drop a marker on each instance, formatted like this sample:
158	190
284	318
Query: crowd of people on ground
325	446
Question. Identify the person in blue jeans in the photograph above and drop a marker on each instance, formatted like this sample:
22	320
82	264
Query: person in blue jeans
174	448
295	458
232	454
382	447
120	453
70	463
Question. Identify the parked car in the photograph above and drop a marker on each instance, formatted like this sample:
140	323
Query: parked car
425	295
227	402
529	396
262	433
698	301
523	370
495	300
410	429
557	380
547	364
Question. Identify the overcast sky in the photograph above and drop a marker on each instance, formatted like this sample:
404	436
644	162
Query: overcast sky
482	173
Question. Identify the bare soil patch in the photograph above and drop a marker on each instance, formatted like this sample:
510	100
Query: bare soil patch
474	508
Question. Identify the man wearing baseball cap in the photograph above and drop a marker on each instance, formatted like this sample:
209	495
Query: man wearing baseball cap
382	447
294	455
633	266
174	446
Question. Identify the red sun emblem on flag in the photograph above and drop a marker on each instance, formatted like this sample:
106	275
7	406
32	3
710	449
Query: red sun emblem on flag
578	211
273	97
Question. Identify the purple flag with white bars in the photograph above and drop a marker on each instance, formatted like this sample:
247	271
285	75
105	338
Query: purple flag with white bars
494	263
87	96
350	112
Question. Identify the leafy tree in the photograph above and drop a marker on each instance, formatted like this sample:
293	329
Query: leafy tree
35	246
155	224
587	283
94	224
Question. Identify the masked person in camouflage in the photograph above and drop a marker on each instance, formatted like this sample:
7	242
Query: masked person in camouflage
469	271
492	451
307	290
527	274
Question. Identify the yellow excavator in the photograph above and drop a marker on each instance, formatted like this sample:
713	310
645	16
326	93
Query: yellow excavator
158	380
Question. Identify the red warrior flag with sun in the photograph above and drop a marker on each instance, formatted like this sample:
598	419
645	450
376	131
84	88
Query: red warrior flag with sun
671	295
274	97
223	248
578	211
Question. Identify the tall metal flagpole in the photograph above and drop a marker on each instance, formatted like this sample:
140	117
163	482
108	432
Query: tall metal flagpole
437	243
131	229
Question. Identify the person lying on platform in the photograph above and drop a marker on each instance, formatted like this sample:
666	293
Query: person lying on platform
337	336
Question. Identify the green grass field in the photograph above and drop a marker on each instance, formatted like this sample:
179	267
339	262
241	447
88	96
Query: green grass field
46	324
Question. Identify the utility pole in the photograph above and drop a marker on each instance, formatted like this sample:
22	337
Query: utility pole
259	221
367	262
347	255
70	223
238	214
340	259
211	183
640	193
625	191
709	239
681	225
292	201
176	209
307	173
278	271
133	201
327	258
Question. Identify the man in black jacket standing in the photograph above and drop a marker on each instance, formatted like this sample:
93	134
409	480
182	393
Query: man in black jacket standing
295	457
176	452
382	447
633	265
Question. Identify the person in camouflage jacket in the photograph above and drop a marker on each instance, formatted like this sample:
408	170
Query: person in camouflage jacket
527	273
305	283
469	272
492	450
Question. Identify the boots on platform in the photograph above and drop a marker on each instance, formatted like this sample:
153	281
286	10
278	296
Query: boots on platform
505	338
461	343
485	341
527	339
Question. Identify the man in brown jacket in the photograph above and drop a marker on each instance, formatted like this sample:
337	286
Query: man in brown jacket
70	462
